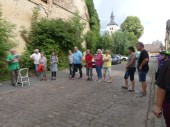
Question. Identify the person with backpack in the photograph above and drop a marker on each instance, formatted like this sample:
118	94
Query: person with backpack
163	91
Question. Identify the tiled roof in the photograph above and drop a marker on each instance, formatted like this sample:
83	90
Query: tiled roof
152	47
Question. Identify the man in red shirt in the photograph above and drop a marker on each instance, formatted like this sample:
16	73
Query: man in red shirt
89	65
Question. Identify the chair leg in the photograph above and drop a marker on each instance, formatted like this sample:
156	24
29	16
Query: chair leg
28	81
22	82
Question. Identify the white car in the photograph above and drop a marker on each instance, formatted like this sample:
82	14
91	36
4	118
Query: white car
124	58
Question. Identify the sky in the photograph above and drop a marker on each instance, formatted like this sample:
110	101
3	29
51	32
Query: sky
152	13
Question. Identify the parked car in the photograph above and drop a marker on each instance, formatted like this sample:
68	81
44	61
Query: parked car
153	55
124	58
116	59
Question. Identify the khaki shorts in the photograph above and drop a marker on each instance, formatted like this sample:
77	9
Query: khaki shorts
108	71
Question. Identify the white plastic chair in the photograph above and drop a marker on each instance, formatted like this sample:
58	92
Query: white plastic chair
23	77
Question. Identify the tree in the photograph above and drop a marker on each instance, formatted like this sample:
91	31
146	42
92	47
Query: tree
106	42
93	37
120	42
132	24
7	41
53	34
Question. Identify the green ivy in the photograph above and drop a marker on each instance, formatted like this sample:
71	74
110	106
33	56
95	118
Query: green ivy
7	41
93	36
52	34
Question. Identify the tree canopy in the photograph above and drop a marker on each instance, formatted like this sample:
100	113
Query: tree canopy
93	36
118	42
132	24
53	34
7	41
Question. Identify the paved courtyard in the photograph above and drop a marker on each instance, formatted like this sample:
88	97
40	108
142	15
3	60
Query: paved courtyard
77	103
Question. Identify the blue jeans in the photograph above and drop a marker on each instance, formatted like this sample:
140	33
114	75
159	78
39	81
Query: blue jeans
99	71
36	70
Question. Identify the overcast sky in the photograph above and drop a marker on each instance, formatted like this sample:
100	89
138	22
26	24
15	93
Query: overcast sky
152	13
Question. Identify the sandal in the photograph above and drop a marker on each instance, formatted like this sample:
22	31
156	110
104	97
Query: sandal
131	90
124	87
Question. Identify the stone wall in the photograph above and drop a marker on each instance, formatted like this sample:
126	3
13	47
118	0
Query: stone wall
19	12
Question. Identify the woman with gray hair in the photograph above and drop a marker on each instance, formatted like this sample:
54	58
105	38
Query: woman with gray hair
99	63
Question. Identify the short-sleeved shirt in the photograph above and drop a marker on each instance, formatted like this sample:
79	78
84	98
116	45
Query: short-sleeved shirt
107	63
12	65
89	58
98	60
143	55
36	57
77	57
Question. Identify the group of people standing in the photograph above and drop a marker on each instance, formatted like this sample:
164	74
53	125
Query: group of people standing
97	61
40	62
101	61
142	65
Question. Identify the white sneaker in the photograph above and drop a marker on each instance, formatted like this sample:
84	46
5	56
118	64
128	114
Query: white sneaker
96	80
99	81
110	81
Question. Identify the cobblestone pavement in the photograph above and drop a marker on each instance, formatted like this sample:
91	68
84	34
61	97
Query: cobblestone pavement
77	103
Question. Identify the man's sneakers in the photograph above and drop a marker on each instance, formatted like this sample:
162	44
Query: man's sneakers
89	79
13	84
110	81
142	94
124	87
71	78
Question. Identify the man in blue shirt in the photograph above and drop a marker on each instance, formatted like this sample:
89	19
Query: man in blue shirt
77	62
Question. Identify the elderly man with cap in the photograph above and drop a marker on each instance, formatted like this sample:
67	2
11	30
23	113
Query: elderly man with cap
13	63
36	58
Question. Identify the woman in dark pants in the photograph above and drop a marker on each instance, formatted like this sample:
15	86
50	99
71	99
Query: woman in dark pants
163	91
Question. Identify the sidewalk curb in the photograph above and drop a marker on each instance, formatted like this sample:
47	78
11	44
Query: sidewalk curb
150	117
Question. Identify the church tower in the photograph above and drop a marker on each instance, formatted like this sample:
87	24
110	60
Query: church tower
112	26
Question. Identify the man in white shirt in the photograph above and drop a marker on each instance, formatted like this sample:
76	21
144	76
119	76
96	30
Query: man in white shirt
36	58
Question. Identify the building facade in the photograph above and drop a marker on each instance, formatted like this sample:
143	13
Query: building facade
19	12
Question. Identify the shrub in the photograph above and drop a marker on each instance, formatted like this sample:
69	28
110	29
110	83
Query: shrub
7	41
52	34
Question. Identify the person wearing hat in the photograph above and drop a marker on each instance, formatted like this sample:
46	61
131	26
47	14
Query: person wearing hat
163	90
130	69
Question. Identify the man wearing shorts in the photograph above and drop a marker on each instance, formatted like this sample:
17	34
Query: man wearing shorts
107	66
143	67
130	69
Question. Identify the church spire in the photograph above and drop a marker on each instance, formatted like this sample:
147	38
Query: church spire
112	19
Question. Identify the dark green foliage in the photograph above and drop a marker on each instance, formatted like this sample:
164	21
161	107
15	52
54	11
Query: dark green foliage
53	34
93	37
118	42
132	24
7	42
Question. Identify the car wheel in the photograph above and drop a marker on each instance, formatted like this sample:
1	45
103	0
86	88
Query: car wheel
123	59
